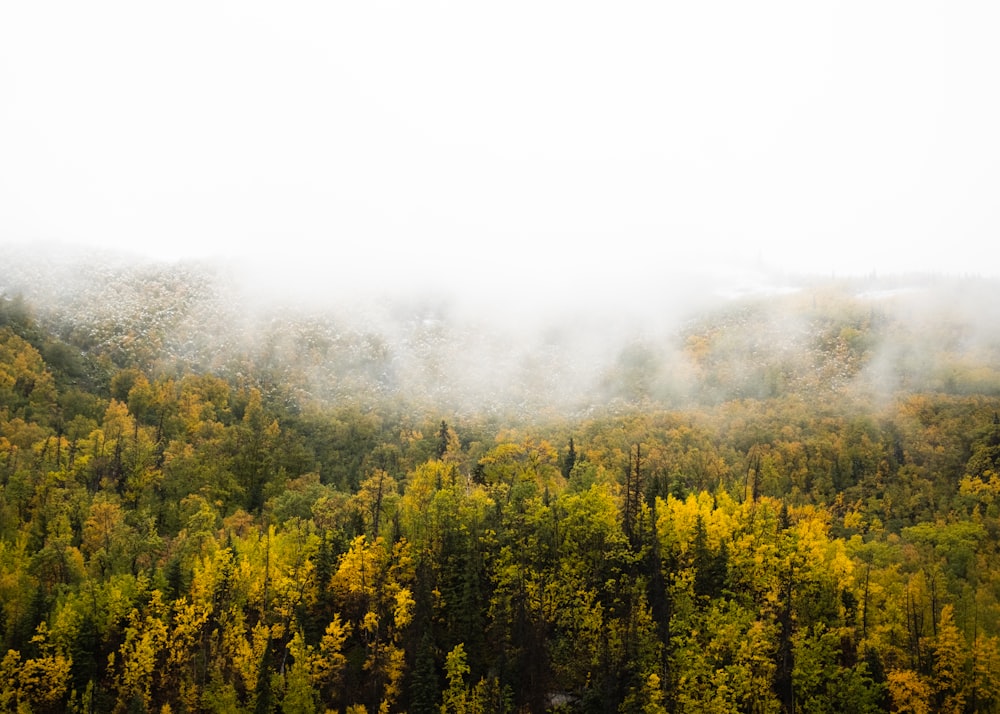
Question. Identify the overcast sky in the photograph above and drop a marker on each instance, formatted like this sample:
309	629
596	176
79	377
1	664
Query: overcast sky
555	141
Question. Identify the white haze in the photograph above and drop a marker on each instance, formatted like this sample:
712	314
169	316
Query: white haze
516	155
513	202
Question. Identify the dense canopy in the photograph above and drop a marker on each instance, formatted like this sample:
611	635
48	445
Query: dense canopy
793	504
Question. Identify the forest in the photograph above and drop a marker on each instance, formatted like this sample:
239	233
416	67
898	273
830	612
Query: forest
785	503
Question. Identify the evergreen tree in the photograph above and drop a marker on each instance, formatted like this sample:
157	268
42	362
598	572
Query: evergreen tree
570	460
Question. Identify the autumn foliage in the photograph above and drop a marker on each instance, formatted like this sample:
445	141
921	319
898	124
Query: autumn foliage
188	542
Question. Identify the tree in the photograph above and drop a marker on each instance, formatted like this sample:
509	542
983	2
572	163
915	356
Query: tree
376	498
256	439
570	461
949	658
456	696
909	692
105	538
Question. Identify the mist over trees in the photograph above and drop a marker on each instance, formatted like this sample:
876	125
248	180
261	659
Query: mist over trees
214	500
672	345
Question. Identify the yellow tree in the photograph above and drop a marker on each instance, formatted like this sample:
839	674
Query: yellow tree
372	583
376	500
984	691
27	389
456	696
138	662
105	538
419	520
35	683
949	656
909	692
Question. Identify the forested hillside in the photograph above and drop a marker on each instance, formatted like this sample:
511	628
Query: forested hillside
788	501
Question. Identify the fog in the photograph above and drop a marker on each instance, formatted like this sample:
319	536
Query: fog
457	347
521	153
686	341
511	205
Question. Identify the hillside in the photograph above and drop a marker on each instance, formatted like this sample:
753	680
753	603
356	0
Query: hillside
213	498
677	345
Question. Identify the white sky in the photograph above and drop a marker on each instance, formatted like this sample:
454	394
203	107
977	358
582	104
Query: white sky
474	142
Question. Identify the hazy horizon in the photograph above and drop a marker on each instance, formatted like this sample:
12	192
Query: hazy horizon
523	149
